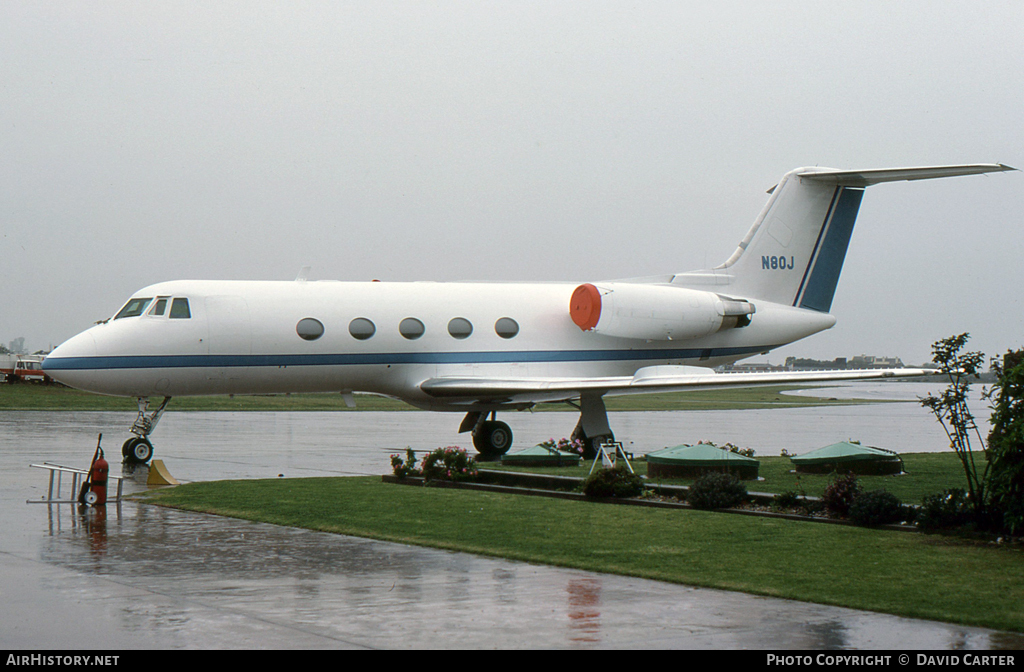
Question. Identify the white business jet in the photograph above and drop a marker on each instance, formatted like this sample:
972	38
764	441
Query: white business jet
480	348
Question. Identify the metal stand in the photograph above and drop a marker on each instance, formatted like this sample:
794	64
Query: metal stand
608	452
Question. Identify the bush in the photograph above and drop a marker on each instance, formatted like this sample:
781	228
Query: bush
812	507
449	464
407	467
563	445
1006	445
615	482
877	507
839	495
717	490
942	512
787	500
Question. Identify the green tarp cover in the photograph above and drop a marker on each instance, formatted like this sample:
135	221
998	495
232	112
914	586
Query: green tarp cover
538	452
844	452
701	455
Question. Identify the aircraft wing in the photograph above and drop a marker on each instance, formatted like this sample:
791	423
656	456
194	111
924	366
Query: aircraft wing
471	390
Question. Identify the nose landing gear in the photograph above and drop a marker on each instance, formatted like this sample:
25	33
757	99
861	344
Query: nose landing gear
138	449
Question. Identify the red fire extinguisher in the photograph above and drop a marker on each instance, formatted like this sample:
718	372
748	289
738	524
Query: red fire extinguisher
94	490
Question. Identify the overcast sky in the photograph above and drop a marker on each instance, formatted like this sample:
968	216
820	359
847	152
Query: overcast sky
142	142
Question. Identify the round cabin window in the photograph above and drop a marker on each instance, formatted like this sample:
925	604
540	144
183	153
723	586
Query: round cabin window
506	327
411	328
309	329
460	328
361	328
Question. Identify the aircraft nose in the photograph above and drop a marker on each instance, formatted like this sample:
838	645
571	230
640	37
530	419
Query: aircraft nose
82	345
61	362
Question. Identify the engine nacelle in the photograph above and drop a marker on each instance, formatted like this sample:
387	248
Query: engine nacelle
654	312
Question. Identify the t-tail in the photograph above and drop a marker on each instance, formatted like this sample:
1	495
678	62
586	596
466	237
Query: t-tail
794	252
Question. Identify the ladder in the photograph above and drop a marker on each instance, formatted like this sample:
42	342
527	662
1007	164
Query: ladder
77	477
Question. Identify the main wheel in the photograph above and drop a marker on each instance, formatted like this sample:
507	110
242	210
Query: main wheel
493	439
137	450
590	443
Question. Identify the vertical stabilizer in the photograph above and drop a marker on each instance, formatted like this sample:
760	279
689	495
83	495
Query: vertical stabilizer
794	252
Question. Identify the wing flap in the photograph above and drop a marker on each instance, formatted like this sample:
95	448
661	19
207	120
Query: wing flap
646	380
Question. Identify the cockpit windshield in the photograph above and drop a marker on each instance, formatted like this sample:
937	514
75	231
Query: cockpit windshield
159	307
133	308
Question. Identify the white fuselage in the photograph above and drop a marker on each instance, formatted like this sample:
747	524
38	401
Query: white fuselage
244	338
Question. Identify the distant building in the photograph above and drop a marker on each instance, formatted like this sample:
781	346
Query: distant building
800	364
749	367
806	364
841	363
872	362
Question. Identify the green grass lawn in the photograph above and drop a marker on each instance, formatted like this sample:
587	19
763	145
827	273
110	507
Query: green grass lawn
33	397
914	575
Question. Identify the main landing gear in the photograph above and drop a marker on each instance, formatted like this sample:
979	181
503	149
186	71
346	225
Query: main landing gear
138	449
592	428
493	438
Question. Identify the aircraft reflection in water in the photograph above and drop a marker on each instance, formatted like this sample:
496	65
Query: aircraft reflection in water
480	348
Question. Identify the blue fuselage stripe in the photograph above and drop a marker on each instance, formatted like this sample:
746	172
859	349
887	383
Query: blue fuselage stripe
545	356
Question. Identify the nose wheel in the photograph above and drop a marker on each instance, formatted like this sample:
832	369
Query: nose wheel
137	450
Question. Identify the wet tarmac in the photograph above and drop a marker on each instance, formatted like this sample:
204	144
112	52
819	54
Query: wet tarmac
142	577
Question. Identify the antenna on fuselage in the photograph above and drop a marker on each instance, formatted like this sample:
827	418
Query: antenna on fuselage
303	274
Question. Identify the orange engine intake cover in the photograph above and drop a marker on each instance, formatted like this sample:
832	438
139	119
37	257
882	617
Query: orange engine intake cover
585	306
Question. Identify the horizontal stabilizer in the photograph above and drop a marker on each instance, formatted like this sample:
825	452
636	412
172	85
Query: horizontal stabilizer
865	178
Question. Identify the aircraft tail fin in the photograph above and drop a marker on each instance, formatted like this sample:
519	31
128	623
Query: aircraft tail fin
794	252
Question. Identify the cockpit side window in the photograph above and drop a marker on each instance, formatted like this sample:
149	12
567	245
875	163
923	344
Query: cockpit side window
133	308
179	309
159	307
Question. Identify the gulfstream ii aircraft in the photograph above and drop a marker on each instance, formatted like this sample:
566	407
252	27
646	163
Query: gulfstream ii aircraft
481	348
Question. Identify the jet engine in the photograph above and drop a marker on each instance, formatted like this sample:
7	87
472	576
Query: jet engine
655	312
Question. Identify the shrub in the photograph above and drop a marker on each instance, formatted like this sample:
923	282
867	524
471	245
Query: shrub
839	495
449	464
947	510
746	452
717	490
811	507
787	500
615	482
877	507
563	445
732	448
407	467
